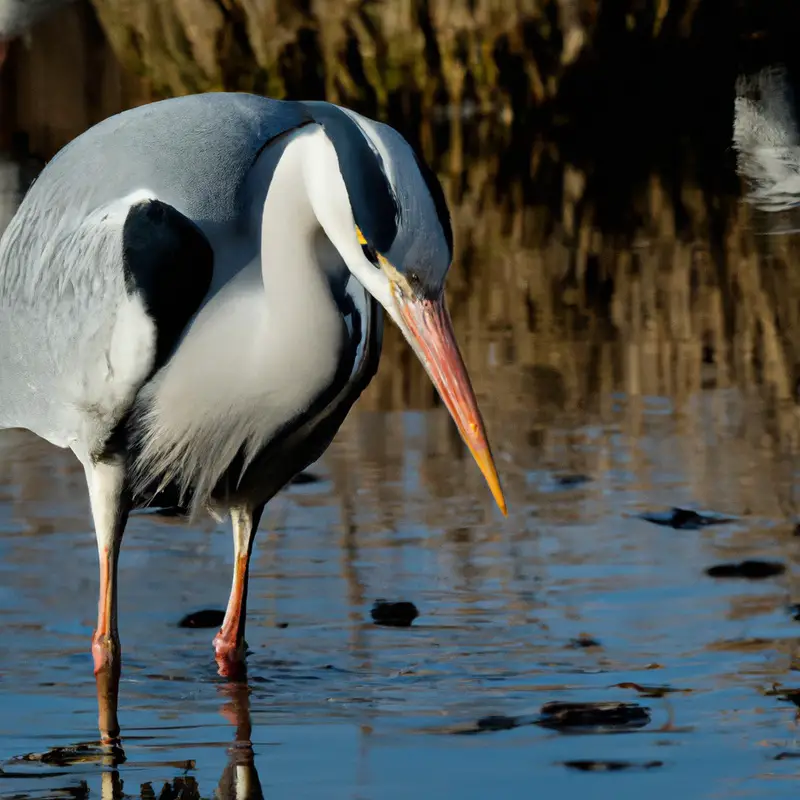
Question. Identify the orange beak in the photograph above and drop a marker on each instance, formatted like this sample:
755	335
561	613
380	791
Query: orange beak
430	332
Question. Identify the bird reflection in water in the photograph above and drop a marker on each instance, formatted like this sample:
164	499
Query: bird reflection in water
239	779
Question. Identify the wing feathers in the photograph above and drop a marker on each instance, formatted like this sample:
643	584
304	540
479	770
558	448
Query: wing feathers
167	265
169	262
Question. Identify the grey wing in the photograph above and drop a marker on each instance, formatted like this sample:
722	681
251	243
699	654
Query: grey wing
79	341
766	140
88	307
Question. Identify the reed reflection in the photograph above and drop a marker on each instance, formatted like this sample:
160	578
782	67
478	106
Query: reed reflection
593	274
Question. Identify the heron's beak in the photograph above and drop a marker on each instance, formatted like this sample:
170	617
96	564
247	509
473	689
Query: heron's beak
427	326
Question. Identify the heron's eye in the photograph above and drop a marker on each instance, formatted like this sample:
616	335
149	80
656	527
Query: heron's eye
370	253
414	281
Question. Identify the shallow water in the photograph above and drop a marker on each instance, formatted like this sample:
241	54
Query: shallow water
342	708
666	377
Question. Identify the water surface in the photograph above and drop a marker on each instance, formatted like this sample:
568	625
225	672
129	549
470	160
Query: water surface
635	345
342	708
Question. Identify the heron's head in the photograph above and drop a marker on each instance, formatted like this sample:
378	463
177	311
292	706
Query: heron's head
393	231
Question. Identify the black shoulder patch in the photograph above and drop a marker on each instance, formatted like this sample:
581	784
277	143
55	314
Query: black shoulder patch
169	262
374	205
439	200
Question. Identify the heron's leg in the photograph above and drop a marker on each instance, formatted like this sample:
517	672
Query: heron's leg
110	506
229	642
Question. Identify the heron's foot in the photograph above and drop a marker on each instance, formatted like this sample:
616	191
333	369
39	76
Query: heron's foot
230	651
106	653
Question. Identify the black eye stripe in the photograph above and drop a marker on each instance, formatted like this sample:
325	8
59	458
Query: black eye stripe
371	197
439	200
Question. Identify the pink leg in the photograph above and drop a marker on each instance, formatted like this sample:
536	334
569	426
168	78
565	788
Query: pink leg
107	653
110	513
106	638
229	644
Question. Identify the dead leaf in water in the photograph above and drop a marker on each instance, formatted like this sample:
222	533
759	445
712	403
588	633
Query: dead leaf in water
569	480
489	724
752	569
395	615
785	693
497	722
207	618
586	765
650	691
603	715
683	518
91	753
584	640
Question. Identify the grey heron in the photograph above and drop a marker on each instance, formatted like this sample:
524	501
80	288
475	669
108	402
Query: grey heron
191	300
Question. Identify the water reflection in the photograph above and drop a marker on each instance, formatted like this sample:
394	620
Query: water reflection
592	265
626	325
239	779
500	612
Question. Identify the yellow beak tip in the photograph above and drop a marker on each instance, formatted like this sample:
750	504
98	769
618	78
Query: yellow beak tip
499	497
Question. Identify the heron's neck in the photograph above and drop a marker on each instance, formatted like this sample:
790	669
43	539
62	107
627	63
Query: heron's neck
300	268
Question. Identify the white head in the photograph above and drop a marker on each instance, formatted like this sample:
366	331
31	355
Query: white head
384	210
